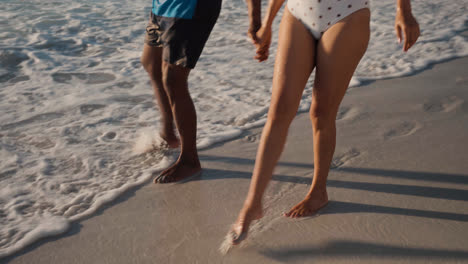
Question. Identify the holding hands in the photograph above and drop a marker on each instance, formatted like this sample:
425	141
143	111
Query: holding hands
262	41
259	32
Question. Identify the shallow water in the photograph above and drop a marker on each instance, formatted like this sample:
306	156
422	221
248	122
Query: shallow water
78	118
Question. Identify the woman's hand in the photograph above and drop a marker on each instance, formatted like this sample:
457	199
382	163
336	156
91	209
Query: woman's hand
262	43
407	25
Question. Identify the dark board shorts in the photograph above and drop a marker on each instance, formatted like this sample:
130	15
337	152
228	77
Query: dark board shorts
183	39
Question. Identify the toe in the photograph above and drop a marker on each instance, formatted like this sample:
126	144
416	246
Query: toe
158	179
161	179
238	233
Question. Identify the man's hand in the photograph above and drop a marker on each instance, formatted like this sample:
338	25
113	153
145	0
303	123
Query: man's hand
252	33
255	16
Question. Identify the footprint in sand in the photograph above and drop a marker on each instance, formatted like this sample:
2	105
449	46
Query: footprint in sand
252	138
342	112
346	112
340	159
461	80
403	129
446	105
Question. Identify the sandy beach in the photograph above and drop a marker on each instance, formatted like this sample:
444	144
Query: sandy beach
398	191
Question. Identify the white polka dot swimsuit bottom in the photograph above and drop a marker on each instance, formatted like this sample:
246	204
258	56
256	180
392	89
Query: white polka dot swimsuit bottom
320	15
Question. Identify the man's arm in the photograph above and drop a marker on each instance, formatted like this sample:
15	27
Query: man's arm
255	18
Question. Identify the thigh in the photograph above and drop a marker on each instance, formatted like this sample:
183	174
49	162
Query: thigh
338	53
294	63
151	58
185	39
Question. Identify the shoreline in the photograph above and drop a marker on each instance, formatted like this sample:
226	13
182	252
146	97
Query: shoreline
400	158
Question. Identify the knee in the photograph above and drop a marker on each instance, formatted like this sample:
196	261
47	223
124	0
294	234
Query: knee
321	115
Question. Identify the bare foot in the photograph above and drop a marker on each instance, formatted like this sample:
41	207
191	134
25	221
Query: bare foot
168	169
171	140
179	171
246	216
310	205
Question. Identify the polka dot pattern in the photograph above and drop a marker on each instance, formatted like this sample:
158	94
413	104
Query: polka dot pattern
319	15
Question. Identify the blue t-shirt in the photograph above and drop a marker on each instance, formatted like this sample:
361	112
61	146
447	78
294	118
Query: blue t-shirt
174	8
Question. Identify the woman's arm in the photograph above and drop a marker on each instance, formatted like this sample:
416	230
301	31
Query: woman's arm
406	24
273	8
264	34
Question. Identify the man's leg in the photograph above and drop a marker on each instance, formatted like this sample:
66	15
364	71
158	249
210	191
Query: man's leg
175	84
184	40
151	60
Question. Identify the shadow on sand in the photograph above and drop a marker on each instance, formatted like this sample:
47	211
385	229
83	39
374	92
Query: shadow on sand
339	207
349	248
397	174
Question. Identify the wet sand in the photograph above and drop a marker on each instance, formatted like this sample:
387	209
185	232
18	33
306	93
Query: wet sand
398	191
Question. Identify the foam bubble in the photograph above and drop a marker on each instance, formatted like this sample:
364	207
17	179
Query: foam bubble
147	140
46	227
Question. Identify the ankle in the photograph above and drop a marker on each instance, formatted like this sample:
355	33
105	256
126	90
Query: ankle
167	134
192	161
317	192
250	205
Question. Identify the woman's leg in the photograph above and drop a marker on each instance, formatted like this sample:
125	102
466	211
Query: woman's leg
338	53
293	66
151	59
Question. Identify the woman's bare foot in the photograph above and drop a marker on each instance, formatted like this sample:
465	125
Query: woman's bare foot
310	205
178	172
248	214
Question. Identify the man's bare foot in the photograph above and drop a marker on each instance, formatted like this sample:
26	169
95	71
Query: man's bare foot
178	172
168	169
171	140
248	214
310	205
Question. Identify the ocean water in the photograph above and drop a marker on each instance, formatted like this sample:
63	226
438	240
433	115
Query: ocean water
78	123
